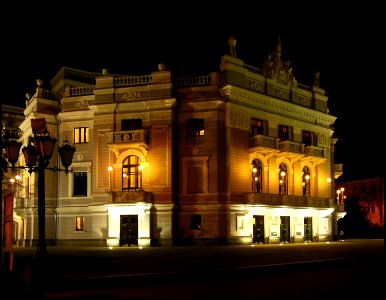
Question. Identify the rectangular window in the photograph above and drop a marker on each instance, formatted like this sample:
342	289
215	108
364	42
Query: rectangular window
80	184
309	138
259	127
81	135
131	124
195	222
79	223
306	138
285	133
195	127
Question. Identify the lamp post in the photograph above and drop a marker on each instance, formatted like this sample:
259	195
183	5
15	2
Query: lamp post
37	155
343	196
337	196
254	180
329	187
283	184
110	169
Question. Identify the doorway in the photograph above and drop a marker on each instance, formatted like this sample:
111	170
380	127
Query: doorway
308	229
284	229
258	229
129	230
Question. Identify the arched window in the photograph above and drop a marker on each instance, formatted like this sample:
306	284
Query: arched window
131	174
283	179
257	176
306	182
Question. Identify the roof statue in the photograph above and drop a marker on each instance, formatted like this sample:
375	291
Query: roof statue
316	78
274	68
268	66
277	63
232	44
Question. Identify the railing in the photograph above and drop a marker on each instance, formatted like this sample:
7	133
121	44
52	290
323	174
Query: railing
192	81
314	151
263	141
82	90
132	80
253	69
290	200
129	136
290	146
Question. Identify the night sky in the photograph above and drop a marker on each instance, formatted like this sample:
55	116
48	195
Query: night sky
343	42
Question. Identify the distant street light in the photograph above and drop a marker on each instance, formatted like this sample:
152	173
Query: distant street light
337	196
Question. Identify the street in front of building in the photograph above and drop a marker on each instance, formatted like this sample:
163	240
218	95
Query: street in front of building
305	271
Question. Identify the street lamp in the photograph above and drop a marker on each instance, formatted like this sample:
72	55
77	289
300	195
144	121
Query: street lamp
37	155
343	196
283	184
337	196
329	186
110	169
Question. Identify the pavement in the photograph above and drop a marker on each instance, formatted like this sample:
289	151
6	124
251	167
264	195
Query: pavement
31	275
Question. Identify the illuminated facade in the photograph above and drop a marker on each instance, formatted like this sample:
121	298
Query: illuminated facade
369	194
244	155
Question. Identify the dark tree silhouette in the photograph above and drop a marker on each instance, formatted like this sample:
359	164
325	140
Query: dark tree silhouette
354	224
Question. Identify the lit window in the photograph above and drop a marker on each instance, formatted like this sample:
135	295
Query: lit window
79	223
195	222
132	173
81	135
195	127
306	182
283	181
257	176
259	127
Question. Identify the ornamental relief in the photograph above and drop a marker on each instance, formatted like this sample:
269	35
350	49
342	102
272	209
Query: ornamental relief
323	141
257	85
237	119
103	121
81	104
281	94
158	130
305	101
131	95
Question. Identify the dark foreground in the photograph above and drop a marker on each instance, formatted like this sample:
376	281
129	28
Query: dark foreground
302	271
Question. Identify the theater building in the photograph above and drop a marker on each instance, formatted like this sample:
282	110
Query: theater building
242	155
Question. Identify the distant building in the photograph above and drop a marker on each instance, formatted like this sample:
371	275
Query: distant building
370	194
239	156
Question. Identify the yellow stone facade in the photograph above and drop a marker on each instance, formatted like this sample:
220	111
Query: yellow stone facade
185	189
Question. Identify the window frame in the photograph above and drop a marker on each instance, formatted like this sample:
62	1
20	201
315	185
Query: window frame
195	222
306	183
81	135
79	223
195	127
133	174
257	185
283	180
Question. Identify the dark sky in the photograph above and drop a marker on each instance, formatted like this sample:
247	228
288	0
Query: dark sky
343	42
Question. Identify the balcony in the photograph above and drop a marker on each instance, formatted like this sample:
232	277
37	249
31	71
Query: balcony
292	149
129	139
290	200
132	196
315	154
264	144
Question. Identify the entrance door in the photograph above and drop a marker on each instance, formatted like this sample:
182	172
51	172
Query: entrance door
308	229
258	229
285	229
129	230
